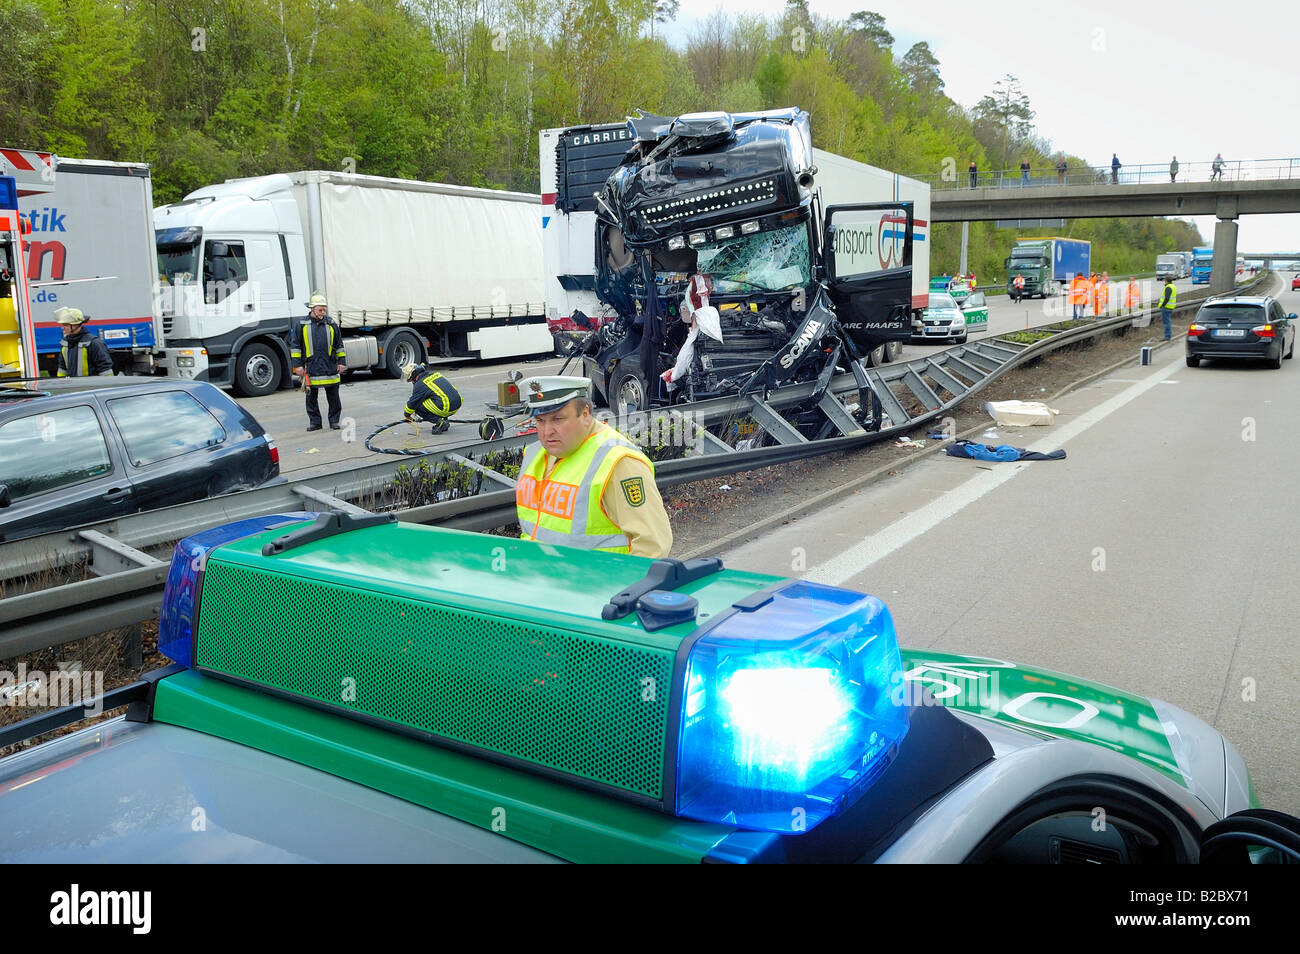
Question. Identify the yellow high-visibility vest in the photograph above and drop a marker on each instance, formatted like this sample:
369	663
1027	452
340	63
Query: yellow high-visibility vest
564	508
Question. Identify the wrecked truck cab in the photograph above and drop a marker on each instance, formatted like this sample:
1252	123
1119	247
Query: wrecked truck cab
800	295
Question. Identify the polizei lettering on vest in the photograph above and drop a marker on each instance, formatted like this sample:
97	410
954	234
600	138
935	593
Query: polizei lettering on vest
801	343
103	907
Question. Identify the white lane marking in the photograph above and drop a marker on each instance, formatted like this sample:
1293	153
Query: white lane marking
876	546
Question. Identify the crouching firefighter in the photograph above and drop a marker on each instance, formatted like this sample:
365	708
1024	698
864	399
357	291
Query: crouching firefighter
583	484
433	399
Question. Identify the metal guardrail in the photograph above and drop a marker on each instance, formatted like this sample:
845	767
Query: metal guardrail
129	588
1237	170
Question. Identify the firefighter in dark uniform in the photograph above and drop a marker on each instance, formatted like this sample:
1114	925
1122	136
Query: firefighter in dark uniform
318	358
434	398
82	353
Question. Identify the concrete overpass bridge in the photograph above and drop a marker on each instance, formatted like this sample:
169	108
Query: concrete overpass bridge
1095	193
1270	258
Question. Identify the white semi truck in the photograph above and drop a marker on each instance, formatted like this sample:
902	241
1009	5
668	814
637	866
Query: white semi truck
411	270
576	161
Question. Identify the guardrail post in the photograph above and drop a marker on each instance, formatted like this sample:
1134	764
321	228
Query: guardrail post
132	655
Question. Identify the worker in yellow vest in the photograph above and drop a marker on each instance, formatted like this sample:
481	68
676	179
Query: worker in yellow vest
583	484
1133	299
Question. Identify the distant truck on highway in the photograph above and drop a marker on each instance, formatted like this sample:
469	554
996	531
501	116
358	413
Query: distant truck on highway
410	269
90	247
1202	262
1186	271
1047	264
1169	265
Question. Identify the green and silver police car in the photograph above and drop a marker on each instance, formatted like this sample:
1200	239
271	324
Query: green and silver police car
358	689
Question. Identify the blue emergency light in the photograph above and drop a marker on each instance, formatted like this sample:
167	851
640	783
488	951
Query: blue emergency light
714	695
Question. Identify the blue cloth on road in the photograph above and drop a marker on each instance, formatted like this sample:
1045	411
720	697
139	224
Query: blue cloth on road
1001	453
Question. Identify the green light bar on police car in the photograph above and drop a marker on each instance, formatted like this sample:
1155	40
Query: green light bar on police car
707	693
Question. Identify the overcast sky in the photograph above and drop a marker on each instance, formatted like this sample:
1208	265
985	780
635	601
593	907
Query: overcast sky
1141	79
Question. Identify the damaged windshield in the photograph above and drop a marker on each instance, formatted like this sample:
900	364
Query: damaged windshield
771	261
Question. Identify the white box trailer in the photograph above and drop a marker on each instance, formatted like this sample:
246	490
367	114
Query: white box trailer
90	247
576	161
410	269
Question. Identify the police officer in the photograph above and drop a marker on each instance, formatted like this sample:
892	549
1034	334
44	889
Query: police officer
583	484
1168	300
434	398
82	353
318	358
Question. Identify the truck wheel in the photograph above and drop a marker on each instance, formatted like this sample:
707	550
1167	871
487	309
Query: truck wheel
257	371
402	348
627	389
893	350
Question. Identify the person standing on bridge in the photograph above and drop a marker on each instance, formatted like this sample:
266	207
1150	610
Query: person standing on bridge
1168	300
1114	169
1024	172
583	484
1060	170
1173	170
1216	174
974	173
1133	297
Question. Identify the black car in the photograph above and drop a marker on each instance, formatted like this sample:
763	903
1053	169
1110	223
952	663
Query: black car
1241	328
82	456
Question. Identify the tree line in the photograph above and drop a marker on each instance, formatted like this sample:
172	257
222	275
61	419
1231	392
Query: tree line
456	90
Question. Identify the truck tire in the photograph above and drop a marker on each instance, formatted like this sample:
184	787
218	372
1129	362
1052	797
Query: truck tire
875	357
893	351
627	389
257	370
402	348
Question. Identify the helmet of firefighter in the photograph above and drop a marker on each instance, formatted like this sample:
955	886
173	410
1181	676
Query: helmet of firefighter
70	316
411	371
317	299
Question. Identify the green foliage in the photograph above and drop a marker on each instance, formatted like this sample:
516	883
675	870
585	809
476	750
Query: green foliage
456	90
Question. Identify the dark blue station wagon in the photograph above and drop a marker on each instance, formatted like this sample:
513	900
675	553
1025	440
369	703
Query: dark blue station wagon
82	456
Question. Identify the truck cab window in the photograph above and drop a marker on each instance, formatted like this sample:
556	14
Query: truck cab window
225	269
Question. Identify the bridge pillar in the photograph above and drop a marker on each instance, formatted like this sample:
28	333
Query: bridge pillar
1223	275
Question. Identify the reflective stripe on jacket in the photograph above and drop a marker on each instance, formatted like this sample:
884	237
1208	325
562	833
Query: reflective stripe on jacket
564	508
435	395
321	364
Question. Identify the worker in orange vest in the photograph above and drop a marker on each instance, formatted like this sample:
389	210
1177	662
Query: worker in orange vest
1133	299
1103	295
1017	287
1092	292
1078	293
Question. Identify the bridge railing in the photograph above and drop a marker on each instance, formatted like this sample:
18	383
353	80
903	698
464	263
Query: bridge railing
1233	170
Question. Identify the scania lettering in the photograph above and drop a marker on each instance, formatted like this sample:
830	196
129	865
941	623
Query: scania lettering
410	269
801	343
